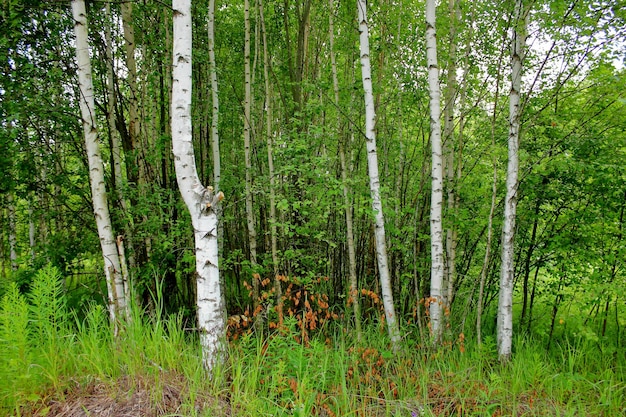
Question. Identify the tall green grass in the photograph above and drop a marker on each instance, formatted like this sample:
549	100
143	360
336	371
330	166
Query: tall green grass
46	351
48	355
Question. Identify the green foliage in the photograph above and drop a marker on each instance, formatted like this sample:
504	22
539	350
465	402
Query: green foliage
47	305
34	339
15	354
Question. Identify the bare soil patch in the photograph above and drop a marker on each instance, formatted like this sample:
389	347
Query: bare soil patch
145	396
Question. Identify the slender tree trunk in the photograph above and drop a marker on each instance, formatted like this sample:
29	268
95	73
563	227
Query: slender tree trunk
3	258
201	202
251	222
116	157
436	301
12	232
614	268
532	301
112	269
529	254
296	72
485	267
134	125
494	188
372	163
215	137
449	152
555	309
215	142
31	230
131	64
121	251
418	275
270	165
354	292
507	274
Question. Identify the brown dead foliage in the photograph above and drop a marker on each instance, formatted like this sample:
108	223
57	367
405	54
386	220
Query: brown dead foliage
139	396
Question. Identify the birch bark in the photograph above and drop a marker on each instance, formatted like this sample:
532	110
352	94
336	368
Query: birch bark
436	231
372	164
112	269
507	272
200	201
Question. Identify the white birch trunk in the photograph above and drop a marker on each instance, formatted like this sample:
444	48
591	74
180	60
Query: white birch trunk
200	201
112	269
372	163
507	272
436	231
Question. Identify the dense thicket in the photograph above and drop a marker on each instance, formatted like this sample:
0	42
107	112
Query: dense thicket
569	252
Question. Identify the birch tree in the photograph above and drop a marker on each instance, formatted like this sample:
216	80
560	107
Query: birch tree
112	268
436	231
507	271
372	164
201	201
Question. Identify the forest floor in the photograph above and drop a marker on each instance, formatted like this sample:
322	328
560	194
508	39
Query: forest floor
123	398
168	394
126	397
55	364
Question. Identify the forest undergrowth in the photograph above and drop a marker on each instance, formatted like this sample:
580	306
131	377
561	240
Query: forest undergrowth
54	362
